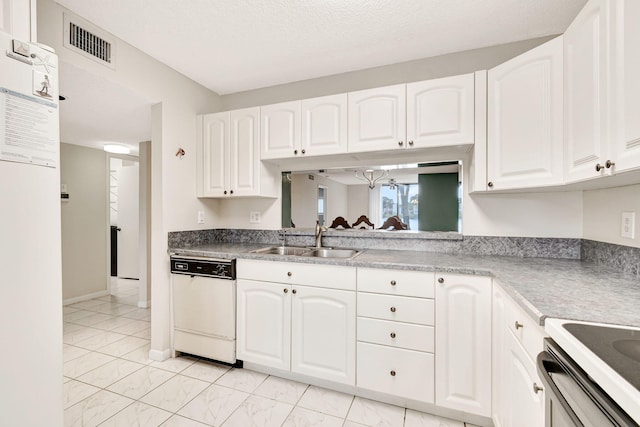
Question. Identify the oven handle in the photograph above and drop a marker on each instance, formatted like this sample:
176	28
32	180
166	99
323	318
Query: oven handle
543	360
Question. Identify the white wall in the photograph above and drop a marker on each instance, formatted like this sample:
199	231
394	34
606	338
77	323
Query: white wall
84	222
603	210
304	200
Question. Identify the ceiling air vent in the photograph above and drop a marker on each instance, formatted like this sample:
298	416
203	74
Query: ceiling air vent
86	40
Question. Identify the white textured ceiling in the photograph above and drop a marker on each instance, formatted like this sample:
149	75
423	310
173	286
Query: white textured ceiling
237	45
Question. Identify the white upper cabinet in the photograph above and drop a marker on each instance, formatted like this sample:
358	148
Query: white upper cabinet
18	18
324	125
440	112
625	142
525	120
586	94
280	132
244	151
377	119
213	162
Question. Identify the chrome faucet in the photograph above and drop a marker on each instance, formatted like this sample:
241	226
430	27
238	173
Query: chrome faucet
319	231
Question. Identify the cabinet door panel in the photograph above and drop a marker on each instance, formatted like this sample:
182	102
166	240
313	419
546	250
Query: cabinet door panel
377	119
264	323
463	343
324	125
245	152
215	154
525	119
586	44
323	334
280	134
441	112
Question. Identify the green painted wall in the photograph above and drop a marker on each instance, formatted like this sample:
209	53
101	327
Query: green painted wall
438	202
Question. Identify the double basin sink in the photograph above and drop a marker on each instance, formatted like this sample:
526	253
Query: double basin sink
309	252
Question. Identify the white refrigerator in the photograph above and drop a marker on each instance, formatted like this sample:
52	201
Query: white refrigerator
30	244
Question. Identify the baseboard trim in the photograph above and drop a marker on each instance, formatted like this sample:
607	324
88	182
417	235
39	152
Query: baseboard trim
85	297
144	304
160	355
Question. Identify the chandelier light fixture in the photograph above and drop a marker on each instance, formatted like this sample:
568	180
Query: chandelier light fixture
368	175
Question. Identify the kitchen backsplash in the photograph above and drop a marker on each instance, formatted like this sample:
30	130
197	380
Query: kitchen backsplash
623	258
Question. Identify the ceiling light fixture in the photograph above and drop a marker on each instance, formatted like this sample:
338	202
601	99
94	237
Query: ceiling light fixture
368	176
116	149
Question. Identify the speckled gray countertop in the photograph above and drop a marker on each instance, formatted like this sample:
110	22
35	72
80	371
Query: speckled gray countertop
568	289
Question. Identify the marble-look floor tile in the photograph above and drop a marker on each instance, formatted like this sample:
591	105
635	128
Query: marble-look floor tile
95	409
105	307
100	340
282	390
133	327
348	423
139	314
123	346
326	401
139	355
83	364
242	379
257	411
123	309
109	373
145	333
70	352
113	323
75	391
69	310
86	304
93	319
205	371
138	414
376	414
141	382
175	393
79	334
76	315
301	417
422	419
214	405
178	421
174	364
70	327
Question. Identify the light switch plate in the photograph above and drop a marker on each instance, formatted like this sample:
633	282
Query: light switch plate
628	225
200	217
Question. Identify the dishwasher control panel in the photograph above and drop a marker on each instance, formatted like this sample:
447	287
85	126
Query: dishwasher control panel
218	268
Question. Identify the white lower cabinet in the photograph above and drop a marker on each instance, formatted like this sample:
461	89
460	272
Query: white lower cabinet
463	343
308	330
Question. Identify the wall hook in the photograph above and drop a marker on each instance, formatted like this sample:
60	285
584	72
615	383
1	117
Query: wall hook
180	153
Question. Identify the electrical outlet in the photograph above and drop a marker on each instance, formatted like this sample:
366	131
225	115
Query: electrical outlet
200	217
254	217
628	225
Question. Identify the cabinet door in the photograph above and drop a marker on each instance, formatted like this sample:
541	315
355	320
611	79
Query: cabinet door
440	112
463	343
16	19
323	334
523	401
625	143
586	53
324	125
245	152
377	119
280	134
525	119
499	381
264	323
214	164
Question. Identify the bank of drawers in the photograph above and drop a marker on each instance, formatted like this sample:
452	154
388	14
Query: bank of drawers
396	332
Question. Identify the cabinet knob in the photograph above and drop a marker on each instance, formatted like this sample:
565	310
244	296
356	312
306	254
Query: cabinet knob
518	325
289	273
599	167
440	279
490	184
537	388
285	290
293	291
393	309
608	164
225	191
400	143
231	191
304	151
392	373
410	142
392	334
393	283
295	151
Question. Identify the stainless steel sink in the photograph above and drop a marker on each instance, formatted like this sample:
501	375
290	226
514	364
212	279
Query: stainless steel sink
282	250
308	252
332	253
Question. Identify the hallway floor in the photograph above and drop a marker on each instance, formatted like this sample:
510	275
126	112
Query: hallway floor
109	381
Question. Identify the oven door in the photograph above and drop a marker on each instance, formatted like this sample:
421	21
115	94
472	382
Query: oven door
572	398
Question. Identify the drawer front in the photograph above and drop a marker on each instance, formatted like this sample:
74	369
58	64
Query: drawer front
396	282
525	329
399	372
396	334
293	273
400	309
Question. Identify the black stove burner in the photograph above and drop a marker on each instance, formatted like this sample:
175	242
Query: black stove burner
618	348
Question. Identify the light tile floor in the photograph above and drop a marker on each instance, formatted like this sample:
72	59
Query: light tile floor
109	381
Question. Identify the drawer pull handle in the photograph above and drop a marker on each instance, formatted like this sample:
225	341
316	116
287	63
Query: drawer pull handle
393	309
518	325
537	388
289	273
392	373
294	291
286	290
393	283
392	335
440	279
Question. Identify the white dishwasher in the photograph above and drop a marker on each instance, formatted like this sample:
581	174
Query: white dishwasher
204	307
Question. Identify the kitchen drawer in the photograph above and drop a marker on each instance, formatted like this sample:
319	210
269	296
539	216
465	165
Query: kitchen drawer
395	371
401	309
396	282
524	328
396	334
324	276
